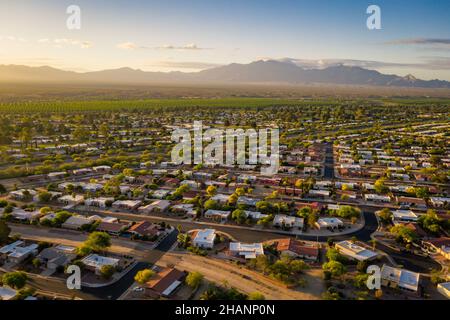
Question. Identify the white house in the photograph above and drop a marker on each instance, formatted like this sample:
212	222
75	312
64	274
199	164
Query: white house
376	198
7	293
71	199
217	214
220	198
95	262
204	238
288	221
400	278
248	251
404	216
22	194
101	202
127	204
354	251
331	223
156	206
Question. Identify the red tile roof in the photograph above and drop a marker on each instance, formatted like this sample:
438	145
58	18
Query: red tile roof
297	247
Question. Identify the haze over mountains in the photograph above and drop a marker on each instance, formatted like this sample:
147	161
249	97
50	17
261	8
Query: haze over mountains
260	72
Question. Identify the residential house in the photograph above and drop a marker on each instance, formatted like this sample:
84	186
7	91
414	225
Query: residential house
400	278
76	222
71	200
156	206
281	220
247	251
101	202
204	238
95	262
16	252
355	251
55	257
7	293
329	223
404	216
145	229
130	205
164	283
217	214
298	249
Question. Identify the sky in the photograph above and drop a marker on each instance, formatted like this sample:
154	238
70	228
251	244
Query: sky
191	35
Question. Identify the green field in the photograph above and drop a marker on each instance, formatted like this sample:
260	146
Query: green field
180	104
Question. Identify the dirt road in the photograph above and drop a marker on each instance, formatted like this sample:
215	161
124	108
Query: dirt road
245	280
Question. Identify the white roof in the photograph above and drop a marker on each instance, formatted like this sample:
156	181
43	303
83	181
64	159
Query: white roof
355	251
404	214
404	278
249	251
329	222
94	260
221	213
205	235
291	220
220	197
6	293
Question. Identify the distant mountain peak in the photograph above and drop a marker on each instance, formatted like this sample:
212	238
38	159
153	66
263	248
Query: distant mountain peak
260	71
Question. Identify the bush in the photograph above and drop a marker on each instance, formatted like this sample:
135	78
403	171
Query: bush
144	275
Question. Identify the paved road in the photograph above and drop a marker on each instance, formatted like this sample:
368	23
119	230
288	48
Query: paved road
329	161
115	290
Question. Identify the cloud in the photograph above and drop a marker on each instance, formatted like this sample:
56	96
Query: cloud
420	41
12	38
189	46
61	42
127	46
134	46
185	65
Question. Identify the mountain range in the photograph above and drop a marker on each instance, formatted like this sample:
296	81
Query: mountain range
263	71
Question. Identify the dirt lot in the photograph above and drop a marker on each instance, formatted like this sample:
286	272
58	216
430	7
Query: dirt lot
245	280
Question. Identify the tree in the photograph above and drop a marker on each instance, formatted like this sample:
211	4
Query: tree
16	279
385	215
380	187
2	189
334	255
232	199
44	196
348	212
144	276
61	217
239	216
194	279
210	204
422	192
98	241
107	271
183	240
36	262
240	191
431	222
256	296
403	234
312	219
5	230
335	268
211	191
